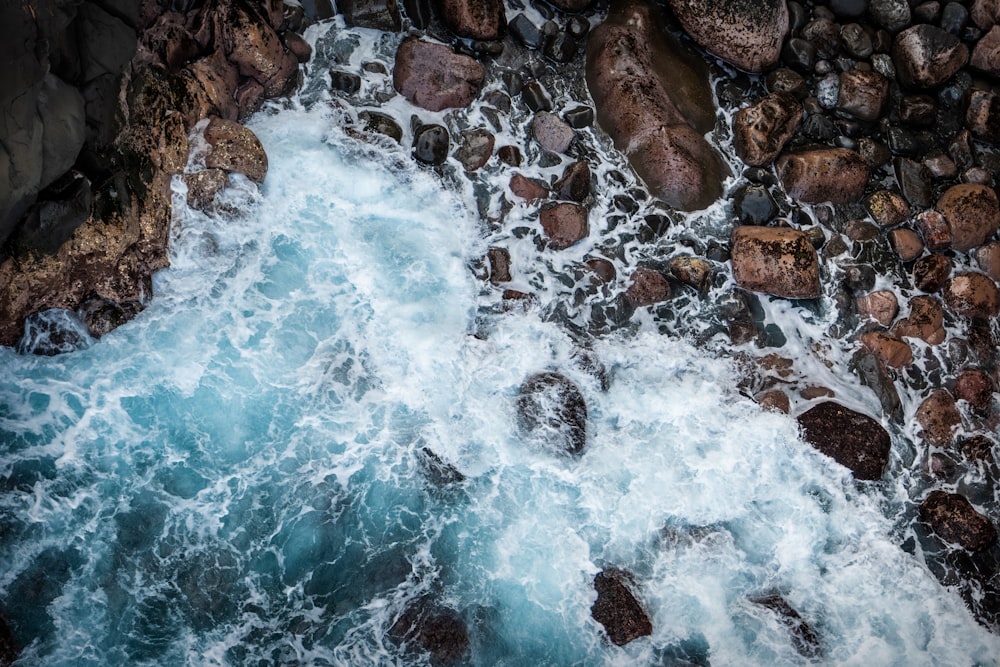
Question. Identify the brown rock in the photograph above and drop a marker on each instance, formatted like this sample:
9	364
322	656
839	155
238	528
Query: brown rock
976	388
600	269
861	230
881	306
938	418
648	287
235	149
773	260
837	175
693	271
887	208
906	243
377	14
850	438
863	94
774	399
988	259
216	81
926	56
564	224
972	212
931	272
934	228
986	54
925	321
249	97
499	260
985	13
474	19
434	77
890	350
528	188
574	183
476	148
255	48
748	35
953	518
617	608
972	295
982	115
203	186
297	46
551	132
760	131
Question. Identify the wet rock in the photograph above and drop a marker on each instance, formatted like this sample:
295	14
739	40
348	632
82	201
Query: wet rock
925	321
906	243
574	183
975	387
431	144
893	15
874	375
433	77
476	148
510	155
551	407
881	306
747	35
978	448
917	110
425	626
692	271
986	54
474	19
799	54
938	418
985	13
656	104
953	519
914	181
931	272
499	260
52	332
773	399
377	14
216	81
761	130
862	94
647	287
988	259
972	295
887	208
982	116
101	316
888	349
528	188
536	97
785	80
773	260
857	43
837	175
49	222
850	438
235	149
804	637
203	186
934	229
438	471
551	132
380	123
754	205
564	224
972	212
526	31
579	117
256	49
618	609
926	56
344	82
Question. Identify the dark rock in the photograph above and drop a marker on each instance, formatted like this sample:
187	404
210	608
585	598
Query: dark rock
954	16
564	224
914	181
617	608
579	117
574	183
761	131
474	19
876	377
377	14
887	208
527	32
647	287
562	47
852	439
426	626
577	26
432	76
975	387
775	260
972	212
510	155
926	56
893	15
823	34
986	54
476	148
440	473
536	97
692	271
380	123
431	144
863	94
551	408
982	116
814	176
925	321
754	205
203	186
499	260
917	110
857	42
344	82
972	295
53	331
953	518
61	209
747	35
938	418
803	636
9	650
931	272
799	54
235	148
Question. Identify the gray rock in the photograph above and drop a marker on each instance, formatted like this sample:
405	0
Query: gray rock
926	56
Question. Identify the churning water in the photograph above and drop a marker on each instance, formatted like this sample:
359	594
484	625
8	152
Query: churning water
240	475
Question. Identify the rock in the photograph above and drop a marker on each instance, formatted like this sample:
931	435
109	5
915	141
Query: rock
378	14
926	56
774	260
837	175
938	418
934	229
528	188
803	636
62	114
953	518
380	123
579	117
925	321
986	54
985	13
972	295
692	271
647	288
551	408
617	608
474	19
51	221
434	77
976	388
881	306
773	399
862	94
256	49
761	130
874	375
931	272
574	183
499	259
431	144
234	148
297	46
101	316
476	148
888	349
852	439
572	5
972	212
988	259
437	630
564	224
893	15
216	81
887	208
748	35
203	186
52	332
551	132
344	82
656	104
754	205
906	243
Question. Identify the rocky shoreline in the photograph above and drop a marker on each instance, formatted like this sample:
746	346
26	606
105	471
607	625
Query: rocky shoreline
839	155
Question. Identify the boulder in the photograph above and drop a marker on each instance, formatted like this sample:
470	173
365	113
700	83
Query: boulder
775	260
235	148
985	13
881	306
474	19
434	77
803	636
377	14
528	188
215	82
938	418
930	272
656	103
647	287
972	295
988	259
476	148
925	321
564	224
837	175
862	94
888	349
748	35
972	212
551	408
976	388
203	186
618	609
255	48
887	208
953	518
986	54
982	116
760	131
893	15
850	438
926	56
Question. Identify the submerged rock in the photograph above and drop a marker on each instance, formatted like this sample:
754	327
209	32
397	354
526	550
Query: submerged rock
428	627
551	407
953	518
850	438
617	608
775	260
746	34
804	638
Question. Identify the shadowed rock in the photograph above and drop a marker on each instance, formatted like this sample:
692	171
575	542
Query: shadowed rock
746	34
804	638
761	130
850	438
837	175
953	518
425	626
377	14
550	407
617	608
775	260
926	56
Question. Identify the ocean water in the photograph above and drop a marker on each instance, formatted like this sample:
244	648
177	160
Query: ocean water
240	475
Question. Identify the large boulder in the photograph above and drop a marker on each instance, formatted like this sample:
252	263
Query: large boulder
656	104
775	260
551	408
748	35
972	212
850	438
617	608
837	175
953	518
434	77
761	130
926	56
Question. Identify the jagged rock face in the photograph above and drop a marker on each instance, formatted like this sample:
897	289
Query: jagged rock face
656	105
748	35
850	438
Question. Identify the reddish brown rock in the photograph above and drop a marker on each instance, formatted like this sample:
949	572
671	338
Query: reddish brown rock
648	287
986	54
476	148
434	77
926	56
863	94
528	188
617	608
953	518
938	418
972	295
499	260
931	272
890	350
935	230
972	212
976	388
881	306
760	131
748	35
988	259
775	260
377	14
982	115
551	132
850	438
203	186
235	149
297	46
925	321
474	19
216	81
564	224
887	208
600	270
906	243
985	13
773	399
255	48
837	175
574	183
